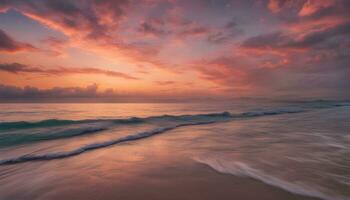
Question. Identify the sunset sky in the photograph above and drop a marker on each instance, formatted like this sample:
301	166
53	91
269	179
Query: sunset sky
174	49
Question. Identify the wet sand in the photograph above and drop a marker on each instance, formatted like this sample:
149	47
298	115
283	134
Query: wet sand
172	182
201	183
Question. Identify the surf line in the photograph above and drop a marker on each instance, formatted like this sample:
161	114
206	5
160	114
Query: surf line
137	136
89	147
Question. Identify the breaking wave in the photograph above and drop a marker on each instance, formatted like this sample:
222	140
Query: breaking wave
11	139
89	147
241	169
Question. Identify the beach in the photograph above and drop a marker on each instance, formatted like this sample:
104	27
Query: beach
260	156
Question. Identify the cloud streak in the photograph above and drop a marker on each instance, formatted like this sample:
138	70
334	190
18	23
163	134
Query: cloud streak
8	44
315	39
21	68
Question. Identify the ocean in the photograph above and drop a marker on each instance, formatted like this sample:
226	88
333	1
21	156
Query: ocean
280	149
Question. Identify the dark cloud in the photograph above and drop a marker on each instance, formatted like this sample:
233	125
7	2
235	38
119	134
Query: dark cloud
20	68
303	11
212	35
280	40
90	18
193	30
318	37
7	91
90	93
225	33
276	40
217	38
153	27
185	28
8	44
16	67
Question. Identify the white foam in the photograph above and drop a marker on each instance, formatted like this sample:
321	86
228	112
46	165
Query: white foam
242	169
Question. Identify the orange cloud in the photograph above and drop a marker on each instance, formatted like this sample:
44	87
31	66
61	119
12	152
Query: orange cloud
275	5
313	6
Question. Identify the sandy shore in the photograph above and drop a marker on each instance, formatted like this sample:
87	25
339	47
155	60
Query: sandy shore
177	182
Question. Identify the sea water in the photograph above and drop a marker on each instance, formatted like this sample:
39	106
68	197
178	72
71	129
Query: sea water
302	147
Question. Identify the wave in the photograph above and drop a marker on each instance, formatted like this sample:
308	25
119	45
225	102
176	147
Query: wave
300	107
89	147
54	129
283	110
20	138
324	103
187	120
13	137
242	169
5	126
8	126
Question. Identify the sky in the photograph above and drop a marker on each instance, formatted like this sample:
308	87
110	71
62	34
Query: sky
174	49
